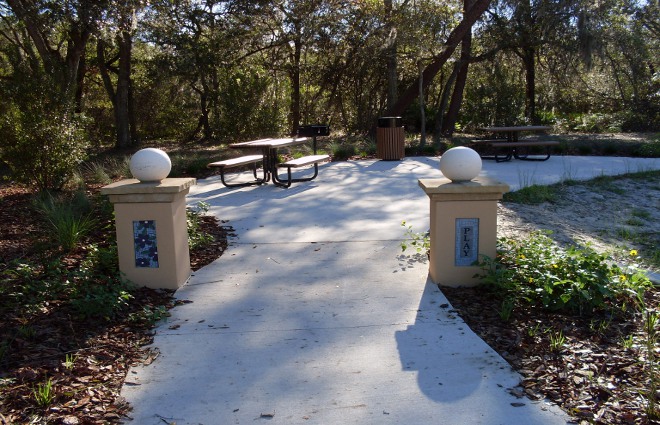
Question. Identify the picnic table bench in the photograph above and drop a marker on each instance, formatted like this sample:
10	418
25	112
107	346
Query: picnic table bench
508	147
226	164
269	160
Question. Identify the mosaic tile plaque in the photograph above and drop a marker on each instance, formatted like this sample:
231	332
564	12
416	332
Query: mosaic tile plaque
467	241
146	246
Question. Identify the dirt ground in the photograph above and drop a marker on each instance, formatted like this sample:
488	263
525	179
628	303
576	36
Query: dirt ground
613	215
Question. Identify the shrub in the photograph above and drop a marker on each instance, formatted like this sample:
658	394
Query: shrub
537	272
197	238
41	146
68	220
341	152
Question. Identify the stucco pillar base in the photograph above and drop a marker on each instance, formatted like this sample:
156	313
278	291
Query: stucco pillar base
162	205
452	205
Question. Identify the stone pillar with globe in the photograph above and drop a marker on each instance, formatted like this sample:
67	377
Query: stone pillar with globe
150	219
463	218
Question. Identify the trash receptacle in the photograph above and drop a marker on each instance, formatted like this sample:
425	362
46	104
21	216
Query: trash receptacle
390	139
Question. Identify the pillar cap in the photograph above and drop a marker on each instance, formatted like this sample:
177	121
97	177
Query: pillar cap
475	186
134	186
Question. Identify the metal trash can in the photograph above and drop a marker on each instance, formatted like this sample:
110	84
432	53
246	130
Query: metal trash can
390	139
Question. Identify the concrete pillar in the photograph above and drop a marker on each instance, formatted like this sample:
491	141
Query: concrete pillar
152	235
463	227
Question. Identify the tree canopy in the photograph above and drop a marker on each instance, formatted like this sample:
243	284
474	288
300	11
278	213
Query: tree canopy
130	70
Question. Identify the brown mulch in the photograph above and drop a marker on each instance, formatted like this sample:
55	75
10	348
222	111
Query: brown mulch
592	376
35	346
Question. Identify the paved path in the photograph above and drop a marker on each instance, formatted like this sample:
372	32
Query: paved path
313	316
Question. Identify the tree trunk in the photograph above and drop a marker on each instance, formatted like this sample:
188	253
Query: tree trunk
440	116
122	94
449	124
422	112
64	69
295	86
390	54
82	70
434	67
530	82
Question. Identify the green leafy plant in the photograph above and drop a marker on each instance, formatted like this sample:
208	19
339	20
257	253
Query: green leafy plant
69	361
42	144
557	340
196	237
574	280
98	297
27	332
420	242
149	315
44	393
652	319
532	332
68	220
341	151
97	172
506	309
628	342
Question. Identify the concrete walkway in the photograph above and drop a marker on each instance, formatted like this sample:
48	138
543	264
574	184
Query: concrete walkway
313	316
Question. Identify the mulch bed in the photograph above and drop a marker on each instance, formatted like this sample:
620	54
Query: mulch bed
100	352
592	376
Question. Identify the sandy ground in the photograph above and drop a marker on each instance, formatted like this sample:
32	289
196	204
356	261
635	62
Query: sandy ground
611	216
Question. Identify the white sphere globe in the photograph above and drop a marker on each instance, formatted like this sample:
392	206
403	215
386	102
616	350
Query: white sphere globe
150	165
460	164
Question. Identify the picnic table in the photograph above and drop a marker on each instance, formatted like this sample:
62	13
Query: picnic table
509	145
269	159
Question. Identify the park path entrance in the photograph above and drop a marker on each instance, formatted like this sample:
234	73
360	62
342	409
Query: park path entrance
313	316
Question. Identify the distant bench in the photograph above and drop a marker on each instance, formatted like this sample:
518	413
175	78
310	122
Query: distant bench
226	164
511	149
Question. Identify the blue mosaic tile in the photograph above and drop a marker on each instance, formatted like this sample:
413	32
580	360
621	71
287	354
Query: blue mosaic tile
146	247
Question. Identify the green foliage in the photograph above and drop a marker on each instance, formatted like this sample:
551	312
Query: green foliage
68	219
341	151
98	173
651	323
41	140
420	242
196	237
149	315
69	361
189	163
29	285
537	272
497	96
532	195
100	298
44	394
649	149
557	340
94	290
506	309
628	342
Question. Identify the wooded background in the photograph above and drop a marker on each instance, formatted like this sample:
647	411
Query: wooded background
115	72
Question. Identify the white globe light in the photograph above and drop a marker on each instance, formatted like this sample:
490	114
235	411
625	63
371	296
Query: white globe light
460	164
150	165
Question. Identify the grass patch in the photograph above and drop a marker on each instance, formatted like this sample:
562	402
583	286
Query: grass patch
532	195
